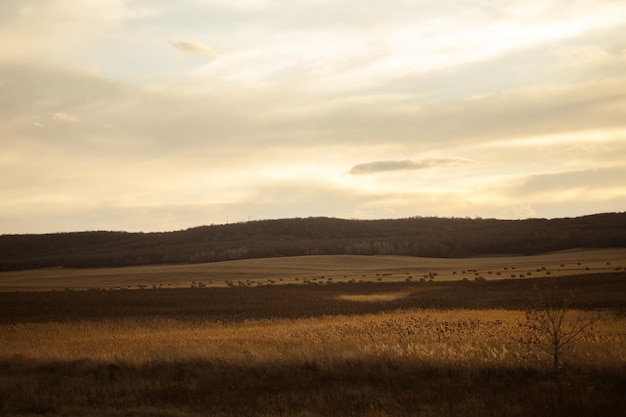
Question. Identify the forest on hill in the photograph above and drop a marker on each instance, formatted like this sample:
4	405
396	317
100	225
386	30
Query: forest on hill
415	236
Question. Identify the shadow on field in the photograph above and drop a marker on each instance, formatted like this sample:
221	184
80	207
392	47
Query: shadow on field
335	388
590	292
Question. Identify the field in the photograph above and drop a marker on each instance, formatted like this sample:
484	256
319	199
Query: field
316	269
387	346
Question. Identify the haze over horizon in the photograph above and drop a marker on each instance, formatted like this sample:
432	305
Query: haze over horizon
157	115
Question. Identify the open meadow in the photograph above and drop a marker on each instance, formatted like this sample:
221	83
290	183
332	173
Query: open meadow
315	270
388	347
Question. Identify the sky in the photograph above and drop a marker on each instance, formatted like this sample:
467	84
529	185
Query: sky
155	115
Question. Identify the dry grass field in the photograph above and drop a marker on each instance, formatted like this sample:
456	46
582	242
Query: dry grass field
388	347
412	362
316	269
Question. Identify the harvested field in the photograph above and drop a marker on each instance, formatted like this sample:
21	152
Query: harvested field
316	269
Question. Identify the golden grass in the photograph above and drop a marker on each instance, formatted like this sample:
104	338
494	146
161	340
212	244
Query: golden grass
360	360
495	337
315	269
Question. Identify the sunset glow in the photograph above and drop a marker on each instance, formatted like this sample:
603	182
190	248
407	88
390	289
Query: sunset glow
156	115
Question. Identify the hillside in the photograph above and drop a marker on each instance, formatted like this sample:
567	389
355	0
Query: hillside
417	236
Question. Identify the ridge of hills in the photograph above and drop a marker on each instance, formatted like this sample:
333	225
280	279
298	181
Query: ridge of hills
415	236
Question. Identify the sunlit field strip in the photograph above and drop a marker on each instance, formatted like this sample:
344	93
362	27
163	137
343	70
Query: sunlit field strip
456	336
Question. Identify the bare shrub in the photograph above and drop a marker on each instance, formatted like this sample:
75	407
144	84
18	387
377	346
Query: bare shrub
553	327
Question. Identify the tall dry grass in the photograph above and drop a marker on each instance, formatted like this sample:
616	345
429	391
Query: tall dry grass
459	336
401	363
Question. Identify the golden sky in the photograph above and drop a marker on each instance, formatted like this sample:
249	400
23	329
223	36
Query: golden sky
154	115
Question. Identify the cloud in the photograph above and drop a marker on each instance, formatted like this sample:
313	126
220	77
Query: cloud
65	117
389	44
193	47
386	166
51	29
524	211
576	182
232	117
142	141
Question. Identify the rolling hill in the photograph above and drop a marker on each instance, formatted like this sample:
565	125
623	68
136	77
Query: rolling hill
416	236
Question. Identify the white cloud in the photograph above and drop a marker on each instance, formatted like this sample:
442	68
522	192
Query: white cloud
246	6
65	117
381	44
592	55
193	47
524	211
53	29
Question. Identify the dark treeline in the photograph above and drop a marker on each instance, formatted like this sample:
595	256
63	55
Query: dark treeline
417	236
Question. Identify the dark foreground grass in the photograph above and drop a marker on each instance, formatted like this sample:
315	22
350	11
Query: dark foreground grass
340	388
